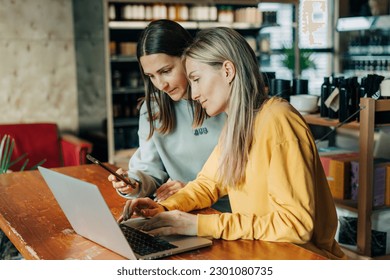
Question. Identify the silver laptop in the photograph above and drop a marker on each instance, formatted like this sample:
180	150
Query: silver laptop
89	215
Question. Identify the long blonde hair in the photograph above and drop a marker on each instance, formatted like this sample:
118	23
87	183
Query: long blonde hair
213	47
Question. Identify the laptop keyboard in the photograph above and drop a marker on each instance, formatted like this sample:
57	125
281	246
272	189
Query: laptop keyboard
143	243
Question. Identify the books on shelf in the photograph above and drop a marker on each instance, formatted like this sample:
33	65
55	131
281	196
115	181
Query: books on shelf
341	168
381	189
337	168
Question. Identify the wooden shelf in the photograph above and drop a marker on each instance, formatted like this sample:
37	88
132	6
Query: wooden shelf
124	58
366	169
352	205
349	205
364	206
216	2
315	119
128	90
140	25
126	122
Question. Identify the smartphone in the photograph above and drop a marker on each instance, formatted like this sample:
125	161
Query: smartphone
120	177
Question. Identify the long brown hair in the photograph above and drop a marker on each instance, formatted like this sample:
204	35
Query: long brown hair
168	37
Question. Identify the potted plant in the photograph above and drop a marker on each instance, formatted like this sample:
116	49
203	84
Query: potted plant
305	59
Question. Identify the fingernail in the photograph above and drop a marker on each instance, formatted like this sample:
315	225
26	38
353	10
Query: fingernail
154	194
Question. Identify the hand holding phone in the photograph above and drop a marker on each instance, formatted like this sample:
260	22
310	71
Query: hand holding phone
120	177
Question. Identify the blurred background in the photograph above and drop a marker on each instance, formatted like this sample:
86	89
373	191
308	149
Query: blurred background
73	62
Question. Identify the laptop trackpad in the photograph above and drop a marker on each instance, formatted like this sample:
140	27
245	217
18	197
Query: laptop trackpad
177	240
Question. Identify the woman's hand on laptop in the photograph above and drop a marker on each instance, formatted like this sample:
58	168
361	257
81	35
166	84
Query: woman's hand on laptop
172	222
144	207
167	189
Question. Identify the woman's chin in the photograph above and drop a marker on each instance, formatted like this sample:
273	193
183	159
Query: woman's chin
177	96
211	113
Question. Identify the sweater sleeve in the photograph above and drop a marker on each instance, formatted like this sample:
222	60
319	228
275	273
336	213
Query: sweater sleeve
283	161
290	198
287	159
146	161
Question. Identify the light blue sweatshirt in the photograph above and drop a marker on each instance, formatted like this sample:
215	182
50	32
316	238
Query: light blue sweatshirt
179	155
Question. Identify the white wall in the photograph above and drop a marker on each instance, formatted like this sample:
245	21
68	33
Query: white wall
37	63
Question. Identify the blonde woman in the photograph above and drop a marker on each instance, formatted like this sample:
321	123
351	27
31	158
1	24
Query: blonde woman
266	159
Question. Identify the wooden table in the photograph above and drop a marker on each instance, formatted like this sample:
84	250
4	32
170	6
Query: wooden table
36	225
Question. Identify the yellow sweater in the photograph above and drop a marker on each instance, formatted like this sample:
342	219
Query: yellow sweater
285	198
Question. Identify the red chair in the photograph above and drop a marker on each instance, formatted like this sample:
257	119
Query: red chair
42	141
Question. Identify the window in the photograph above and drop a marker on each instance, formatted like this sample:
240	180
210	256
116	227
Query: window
315	37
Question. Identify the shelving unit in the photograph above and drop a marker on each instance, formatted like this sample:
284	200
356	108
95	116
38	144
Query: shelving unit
366	169
364	45
124	83
366	128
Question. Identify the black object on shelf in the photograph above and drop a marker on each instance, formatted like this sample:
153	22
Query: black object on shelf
335	85
353	86
280	87
325	91
345	100
300	86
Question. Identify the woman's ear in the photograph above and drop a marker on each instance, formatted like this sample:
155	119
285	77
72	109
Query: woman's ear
229	70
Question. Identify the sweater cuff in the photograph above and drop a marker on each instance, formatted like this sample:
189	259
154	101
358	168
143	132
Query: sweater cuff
207	225
132	195
165	208
169	204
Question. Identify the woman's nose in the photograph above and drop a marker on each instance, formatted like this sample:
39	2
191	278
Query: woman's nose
162	85
194	94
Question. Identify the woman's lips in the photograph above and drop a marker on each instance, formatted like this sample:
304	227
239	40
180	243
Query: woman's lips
172	91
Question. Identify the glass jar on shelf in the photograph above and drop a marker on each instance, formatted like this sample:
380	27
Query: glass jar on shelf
182	12
111	12
226	14
159	11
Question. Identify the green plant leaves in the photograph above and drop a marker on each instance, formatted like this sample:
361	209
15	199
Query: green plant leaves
6	152
6	148
38	164
305	59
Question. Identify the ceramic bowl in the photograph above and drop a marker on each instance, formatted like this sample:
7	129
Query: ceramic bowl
304	103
